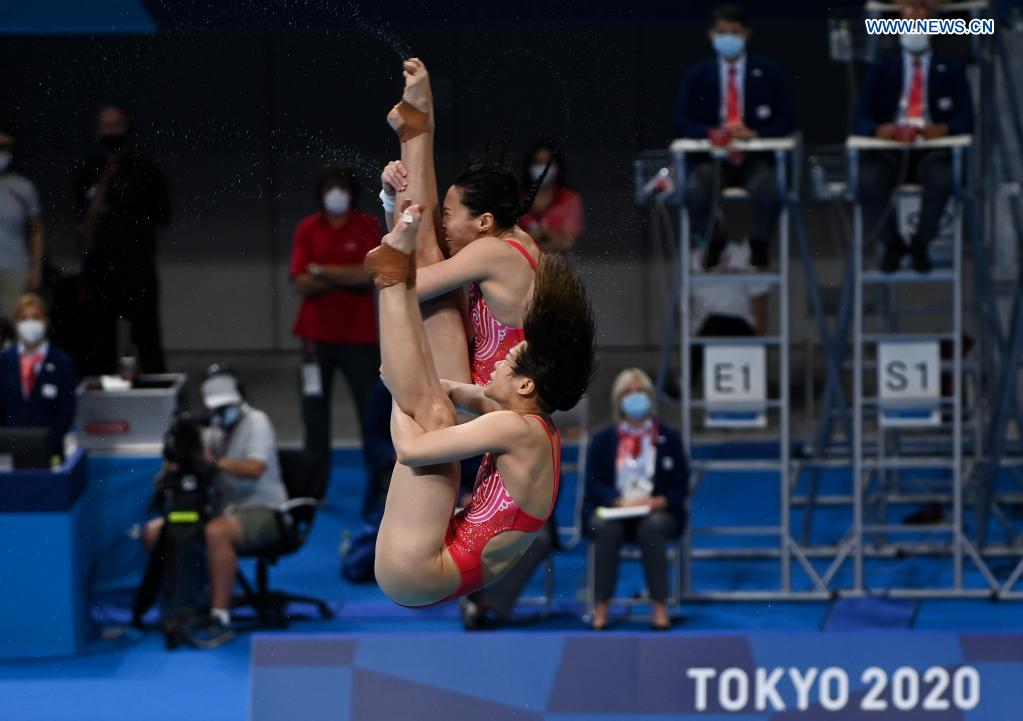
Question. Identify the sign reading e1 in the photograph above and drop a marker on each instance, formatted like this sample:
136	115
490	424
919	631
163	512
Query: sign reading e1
735	386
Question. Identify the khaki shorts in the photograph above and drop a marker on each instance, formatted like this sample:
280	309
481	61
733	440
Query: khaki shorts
260	529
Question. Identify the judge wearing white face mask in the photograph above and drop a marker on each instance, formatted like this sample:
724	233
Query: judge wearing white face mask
37	379
638	462
734	95
22	239
336	320
555	220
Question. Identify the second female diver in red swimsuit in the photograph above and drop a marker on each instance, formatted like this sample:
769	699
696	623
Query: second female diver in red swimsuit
424	554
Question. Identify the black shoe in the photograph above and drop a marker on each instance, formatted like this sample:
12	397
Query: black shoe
212	634
892	258
920	257
474	615
759	257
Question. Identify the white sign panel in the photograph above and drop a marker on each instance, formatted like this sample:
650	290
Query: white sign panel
908	212
909	383
908	209
735	386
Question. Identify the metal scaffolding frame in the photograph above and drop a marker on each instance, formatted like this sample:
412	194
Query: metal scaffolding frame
880	455
972	443
785	152
1001	170
980	446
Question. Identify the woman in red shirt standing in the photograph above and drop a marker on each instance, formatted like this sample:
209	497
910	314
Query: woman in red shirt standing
337	318
555	219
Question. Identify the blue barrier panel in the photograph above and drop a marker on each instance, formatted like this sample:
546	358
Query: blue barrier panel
42	576
44	552
119	490
915	676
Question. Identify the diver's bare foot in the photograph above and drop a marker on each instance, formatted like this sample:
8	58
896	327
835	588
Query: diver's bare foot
413	115
394	260
403	236
417	86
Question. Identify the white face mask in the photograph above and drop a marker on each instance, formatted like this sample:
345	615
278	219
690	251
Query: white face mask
915	43
337	201
31	331
5	161
536	169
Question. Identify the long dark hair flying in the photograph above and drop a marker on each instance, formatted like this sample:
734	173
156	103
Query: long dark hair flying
559	355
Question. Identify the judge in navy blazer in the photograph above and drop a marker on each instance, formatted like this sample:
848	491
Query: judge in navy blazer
750	97
636	463
670	475
50	401
884	106
767	100
948	94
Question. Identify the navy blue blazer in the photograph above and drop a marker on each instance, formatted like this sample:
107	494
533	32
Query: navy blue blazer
768	107
52	400
671	474
948	95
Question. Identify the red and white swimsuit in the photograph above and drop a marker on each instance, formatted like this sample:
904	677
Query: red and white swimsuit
491	512
491	339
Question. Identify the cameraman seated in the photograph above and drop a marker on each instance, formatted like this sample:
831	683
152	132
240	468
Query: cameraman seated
242	446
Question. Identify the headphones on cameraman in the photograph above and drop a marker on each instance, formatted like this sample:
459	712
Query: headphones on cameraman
222	369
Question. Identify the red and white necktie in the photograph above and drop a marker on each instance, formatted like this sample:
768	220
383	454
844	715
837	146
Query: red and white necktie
915	105
29	370
732	115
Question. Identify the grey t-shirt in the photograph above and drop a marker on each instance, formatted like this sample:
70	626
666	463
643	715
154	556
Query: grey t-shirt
252	438
19	202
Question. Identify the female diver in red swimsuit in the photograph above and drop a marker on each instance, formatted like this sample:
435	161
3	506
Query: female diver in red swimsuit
488	253
424	554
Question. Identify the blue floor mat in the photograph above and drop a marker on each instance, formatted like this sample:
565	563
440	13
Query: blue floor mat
133	677
851	614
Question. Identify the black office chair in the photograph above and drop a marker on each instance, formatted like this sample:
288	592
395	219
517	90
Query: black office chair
305	493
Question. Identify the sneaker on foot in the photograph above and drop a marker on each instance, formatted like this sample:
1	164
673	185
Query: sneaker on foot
211	634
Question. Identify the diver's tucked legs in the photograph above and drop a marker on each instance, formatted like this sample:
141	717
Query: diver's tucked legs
411	565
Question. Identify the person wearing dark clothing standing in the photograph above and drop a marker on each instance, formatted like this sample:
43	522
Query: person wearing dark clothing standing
378	454
337	319
749	97
915	91
377	451
122	198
